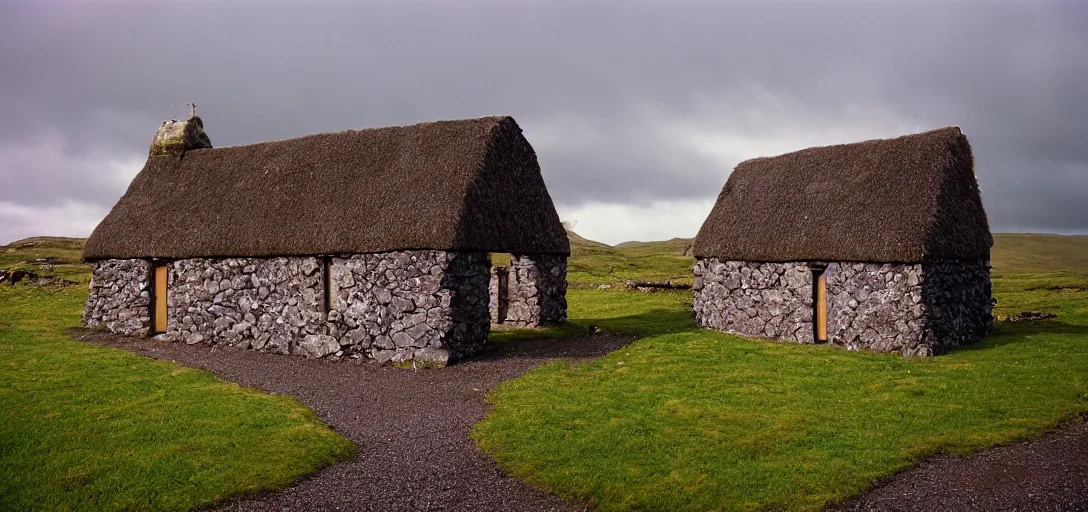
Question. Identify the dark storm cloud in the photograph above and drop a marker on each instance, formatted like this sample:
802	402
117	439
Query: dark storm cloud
605	91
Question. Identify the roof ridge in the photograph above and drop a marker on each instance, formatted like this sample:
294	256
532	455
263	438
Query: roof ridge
866	141
422	124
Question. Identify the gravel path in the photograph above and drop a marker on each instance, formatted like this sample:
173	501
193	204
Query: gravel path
412	427
1045	474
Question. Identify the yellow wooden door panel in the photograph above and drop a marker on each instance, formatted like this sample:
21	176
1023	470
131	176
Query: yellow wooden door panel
160	298
821	308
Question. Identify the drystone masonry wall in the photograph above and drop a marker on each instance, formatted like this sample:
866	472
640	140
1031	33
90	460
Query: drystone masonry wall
767	300
958	303
264	304
916	310
119	297
912	309
876	307
423	306
535	291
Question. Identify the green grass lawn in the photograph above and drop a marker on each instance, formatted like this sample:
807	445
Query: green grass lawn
686	419
681	419
90	428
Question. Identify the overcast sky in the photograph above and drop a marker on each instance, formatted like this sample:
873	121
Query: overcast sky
638	110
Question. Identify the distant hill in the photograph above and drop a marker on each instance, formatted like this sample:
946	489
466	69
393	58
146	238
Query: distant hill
1032	251
48	241
57	249
595	262
578	243
1011	251
673	245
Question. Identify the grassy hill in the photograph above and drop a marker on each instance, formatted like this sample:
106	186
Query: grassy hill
578	243
594	263
1012	252
1038	252
48	256
58	249
597	263
677	245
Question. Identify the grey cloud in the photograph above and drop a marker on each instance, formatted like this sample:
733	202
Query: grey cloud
103	76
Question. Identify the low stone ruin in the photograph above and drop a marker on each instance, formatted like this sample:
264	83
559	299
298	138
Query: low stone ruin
1027	316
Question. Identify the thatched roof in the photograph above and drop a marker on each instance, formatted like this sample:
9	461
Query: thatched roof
908	199
452	185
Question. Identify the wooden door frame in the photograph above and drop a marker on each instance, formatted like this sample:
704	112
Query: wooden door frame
153	280
819	303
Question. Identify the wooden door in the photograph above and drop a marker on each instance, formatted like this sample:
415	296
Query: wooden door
821	307
160	298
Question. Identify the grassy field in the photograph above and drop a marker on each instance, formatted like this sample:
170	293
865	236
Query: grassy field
681	419
1018	252
594	263
89	428
686	419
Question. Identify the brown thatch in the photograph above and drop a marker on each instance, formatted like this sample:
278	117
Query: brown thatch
451	185
909	199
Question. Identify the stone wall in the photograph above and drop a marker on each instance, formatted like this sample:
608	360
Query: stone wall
265	304
767	300
535	291
876	307
119	297
426	306
423	307
958	303
913	309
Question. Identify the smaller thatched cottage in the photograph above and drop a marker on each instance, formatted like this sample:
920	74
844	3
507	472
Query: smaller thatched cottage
371	243
881	245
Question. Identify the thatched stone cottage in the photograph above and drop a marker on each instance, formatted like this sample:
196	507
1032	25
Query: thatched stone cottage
370	243
881	245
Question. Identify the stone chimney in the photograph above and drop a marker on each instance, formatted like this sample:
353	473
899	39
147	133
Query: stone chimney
176	137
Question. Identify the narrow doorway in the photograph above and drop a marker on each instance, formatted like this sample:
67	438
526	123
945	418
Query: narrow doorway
326	277
159	296
500	293
819	304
